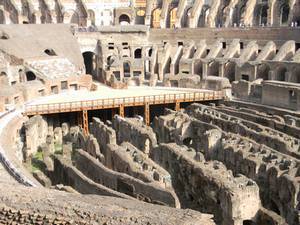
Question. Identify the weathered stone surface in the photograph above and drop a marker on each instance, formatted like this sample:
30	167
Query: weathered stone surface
29	205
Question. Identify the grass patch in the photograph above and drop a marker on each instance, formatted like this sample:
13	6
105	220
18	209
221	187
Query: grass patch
37	161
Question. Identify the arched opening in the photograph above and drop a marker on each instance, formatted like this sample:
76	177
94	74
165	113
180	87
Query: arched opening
296	13
4	36
25	22
138	53
263	72
155	23
91	17
229	71
187	16
203	17
30	76
188	141
150	52
213	69
126	69
75	18
50	52
110	60
263	15
124	19
173	13
21	76
89	62
3	78
248	222
296	76
284	14
71	17
281	74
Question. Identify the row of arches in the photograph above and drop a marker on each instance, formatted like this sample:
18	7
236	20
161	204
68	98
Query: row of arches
282	15
281	73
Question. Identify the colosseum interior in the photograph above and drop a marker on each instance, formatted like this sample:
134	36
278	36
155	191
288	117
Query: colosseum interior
172	112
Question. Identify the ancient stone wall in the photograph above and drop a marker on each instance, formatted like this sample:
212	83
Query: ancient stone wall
264	135
67	174
36	131
123	183
104	134
208	186
136	132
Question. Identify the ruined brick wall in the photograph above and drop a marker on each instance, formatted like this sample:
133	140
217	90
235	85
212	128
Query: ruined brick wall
134	131
123	183
69	175
36	130
208	186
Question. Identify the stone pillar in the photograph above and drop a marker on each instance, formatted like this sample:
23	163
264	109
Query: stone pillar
204	70
272	75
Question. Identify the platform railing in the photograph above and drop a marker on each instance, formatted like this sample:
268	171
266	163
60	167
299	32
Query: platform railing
126	101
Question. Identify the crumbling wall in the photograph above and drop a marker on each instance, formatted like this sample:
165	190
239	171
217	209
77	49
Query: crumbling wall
104	134
67	174
208	186
132	161
121	182
136	132
263	135
36	131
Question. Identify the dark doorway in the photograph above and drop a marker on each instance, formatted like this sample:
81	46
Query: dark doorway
89	62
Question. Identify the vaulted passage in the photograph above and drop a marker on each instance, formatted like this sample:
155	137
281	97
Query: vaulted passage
89	62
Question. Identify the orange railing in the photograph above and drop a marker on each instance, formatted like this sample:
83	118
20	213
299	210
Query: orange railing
125	101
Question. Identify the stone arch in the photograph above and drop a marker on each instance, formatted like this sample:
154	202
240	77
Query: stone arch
138	53
203	17
221	17
149	52
263	15
295	78
30	76
263	71
89	62
155	18
238	12
173	17
91	17
187	16
284	14
126	68
37	17
71	16
281	73
229	71
296	13
124	19
111	59
213	69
